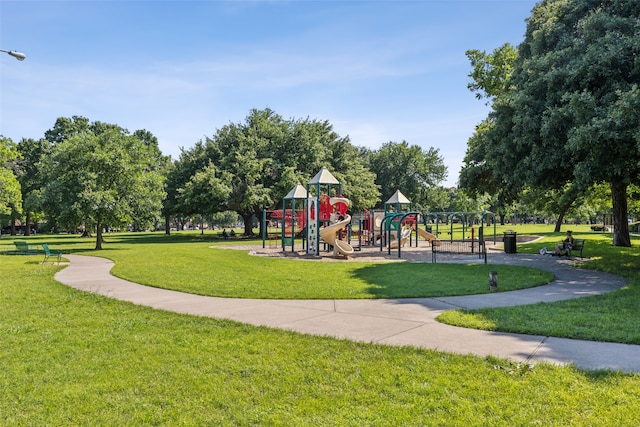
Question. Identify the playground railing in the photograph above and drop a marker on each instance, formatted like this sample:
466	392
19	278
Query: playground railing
459	247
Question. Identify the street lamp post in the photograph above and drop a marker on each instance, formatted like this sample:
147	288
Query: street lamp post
18	55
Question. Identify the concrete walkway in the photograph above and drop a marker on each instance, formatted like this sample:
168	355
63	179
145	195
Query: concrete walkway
392	322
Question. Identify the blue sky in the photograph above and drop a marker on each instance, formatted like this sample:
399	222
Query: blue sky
378	71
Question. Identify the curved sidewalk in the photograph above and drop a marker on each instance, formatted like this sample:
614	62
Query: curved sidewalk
392	322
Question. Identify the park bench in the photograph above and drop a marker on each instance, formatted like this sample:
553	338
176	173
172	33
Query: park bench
48	253
22	248
578	245
459	247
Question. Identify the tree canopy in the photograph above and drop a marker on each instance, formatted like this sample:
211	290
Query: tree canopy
101	175
481	172
491	71
258	161
29	174
10	195
571	114
409	168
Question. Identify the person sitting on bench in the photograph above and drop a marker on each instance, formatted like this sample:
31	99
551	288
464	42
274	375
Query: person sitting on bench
566	245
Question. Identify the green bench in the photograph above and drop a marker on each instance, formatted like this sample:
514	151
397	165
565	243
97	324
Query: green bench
578	245
22	248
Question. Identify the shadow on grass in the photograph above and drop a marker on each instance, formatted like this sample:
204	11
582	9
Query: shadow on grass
413	280
176	237
116	238
600	254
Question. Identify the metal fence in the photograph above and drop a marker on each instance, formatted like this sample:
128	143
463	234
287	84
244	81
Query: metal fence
459	247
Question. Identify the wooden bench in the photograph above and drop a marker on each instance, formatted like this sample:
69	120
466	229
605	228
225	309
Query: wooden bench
48	253
22	248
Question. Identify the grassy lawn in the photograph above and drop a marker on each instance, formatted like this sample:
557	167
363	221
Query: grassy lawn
73	358
185	262
195	268
612	317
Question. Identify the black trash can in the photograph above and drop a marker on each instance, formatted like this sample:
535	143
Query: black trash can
510	242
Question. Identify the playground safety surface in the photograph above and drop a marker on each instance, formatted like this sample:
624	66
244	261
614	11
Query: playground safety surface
368	253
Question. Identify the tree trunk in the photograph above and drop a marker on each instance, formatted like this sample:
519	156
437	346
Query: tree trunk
559	222
13	222
566	202
99	236
248	224
167	225
561	214
27	230
621	235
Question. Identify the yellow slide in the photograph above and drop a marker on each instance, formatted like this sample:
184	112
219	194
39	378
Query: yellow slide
330	235
404	235
428	236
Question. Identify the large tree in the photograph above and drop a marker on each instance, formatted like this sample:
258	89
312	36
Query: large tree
206	192
175	205
414	171
102	177
29	174
65	127
10	196
491	72
265	156
490	80
572	112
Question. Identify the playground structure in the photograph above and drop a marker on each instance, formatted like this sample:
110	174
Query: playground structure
405	233
283	225
317	215
393	227
327	210
313	215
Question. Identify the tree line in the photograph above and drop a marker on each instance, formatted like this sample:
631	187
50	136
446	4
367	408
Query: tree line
99	175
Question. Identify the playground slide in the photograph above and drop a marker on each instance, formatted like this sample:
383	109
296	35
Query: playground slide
404	235
428	236
330	235
346	202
